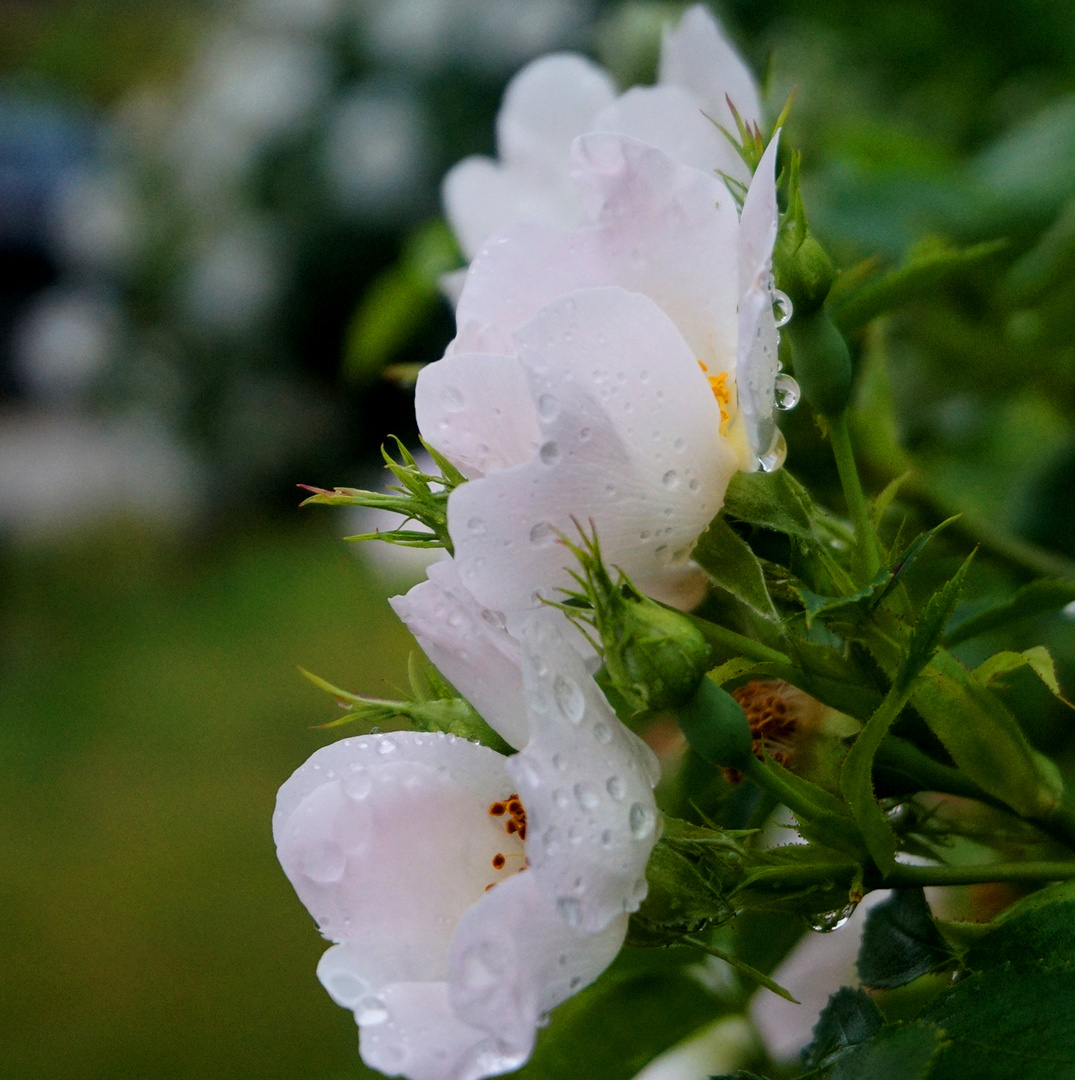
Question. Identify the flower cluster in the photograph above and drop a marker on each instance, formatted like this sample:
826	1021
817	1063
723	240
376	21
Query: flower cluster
615	364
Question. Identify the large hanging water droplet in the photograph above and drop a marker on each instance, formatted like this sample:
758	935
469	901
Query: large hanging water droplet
782	309
786	391
774	457
831	920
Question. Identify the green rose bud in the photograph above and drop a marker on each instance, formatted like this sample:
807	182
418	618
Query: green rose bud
654	657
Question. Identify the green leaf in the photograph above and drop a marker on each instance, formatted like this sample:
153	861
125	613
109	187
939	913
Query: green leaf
612	1029
925	638
728	560
1038	659
735	668
850	1018
1037	598
900	942
895	1053
926	267
1013	1015
775	501
399	302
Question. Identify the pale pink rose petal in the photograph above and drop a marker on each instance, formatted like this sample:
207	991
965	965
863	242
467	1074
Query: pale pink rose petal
475	409
630	442
672	120
470	646
698	57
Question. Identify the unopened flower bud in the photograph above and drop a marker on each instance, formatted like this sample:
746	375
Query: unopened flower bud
803	271
654	657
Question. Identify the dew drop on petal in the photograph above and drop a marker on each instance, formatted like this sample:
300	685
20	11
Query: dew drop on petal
548	407
585	796
782	309
570	910
542	533
616	788
549	453
602	733
561	799
371	1010
324	863
774	457
476	526
787	392
569	698
585	434
671	480
386	745
357	786
558	762
641	820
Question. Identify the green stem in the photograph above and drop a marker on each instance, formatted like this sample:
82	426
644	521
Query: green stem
865	535
729	641
902	875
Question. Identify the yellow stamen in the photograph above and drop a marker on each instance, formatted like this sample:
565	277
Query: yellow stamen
720	391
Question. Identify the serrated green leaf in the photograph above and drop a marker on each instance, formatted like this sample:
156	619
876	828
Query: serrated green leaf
1037	598
925	268
895	1053
775	501
1038	659
1013	1015
982	736
735	668
850	1018
926	636
900	942
729	561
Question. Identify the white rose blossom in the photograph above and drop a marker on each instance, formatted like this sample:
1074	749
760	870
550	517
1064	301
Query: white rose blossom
558	97
618	374
467	893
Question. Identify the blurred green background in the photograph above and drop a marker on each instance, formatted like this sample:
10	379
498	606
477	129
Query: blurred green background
197	204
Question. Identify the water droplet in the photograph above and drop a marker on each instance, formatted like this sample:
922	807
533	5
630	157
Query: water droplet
386	745
542	533
455	619
584	434
476	526
558	762
343	987
371	1010
550	840
324	863
831	920
586	797
549	453
782	308
641	820
570	910
357	786
602	733
617	788
548	407
560	798
569	698
774	457
787	392
606	838
679	446
610	489
670	479
695	484
495	619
